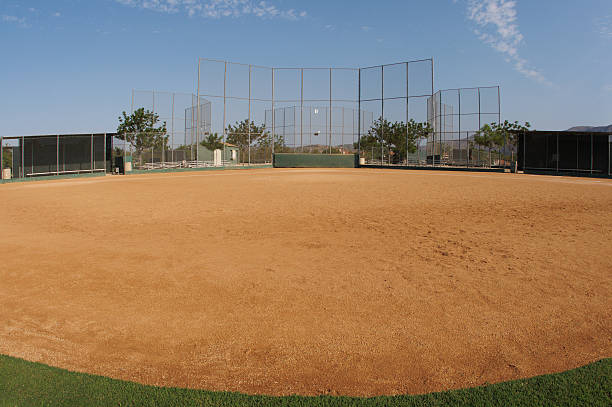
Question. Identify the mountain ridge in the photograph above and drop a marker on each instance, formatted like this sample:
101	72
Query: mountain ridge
591	128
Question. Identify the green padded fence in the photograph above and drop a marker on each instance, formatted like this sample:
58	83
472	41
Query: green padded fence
292	160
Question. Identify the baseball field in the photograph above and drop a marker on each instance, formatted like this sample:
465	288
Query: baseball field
358	282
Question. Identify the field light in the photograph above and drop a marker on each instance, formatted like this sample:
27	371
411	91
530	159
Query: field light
316	133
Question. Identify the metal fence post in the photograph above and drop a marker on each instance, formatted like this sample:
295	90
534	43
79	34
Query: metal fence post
359	112
224	110
105	167
480	125
558	156
330	110
22	157
57	155
301	109
249	121
382	114
408	114
273	119
172	132
198	115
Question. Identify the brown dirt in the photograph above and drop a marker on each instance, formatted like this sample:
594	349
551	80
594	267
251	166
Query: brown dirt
358	282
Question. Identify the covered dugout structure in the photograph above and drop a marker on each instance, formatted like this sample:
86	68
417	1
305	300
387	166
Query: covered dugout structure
565	153
57	154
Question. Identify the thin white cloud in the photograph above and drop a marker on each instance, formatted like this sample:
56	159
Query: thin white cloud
497	26
607	88
604	26
365	28
21	21
57	14
217	8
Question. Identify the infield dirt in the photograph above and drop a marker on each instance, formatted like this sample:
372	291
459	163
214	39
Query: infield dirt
355	282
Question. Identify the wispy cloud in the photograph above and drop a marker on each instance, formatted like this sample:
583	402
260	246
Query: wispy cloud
57	14
366	28
604	26
607	88
21	21
217	8
497	26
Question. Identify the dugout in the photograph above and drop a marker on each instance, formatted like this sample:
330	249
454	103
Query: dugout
58	154
565	153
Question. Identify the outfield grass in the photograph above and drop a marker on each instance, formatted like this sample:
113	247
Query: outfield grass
25	383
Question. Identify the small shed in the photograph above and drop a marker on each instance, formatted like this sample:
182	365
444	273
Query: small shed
229	153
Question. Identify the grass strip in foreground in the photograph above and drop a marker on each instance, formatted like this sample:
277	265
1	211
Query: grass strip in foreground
25	383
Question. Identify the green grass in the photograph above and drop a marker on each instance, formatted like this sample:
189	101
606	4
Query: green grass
25	383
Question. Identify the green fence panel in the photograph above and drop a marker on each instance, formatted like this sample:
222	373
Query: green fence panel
291	160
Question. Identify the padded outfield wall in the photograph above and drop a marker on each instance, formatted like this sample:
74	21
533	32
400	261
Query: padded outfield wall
291	160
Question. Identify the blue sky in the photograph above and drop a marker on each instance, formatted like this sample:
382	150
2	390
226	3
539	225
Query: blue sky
70	65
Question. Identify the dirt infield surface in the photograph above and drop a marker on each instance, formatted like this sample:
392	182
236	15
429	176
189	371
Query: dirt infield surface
358	282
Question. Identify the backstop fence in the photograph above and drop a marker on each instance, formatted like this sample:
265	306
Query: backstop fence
249	112
456	116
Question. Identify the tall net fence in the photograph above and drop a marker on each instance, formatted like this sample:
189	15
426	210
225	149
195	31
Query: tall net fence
179	146
397	95
456	116
389	114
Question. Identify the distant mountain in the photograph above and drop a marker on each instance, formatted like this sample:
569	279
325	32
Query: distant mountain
592	128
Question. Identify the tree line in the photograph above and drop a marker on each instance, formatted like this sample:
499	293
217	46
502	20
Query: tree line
143	130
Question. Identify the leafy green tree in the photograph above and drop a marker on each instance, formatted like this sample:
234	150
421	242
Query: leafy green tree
488	138
142	130
508	131
398	138
265	143
238	134
499	134
7	158
212	142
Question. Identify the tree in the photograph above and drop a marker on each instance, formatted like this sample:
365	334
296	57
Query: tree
508	130
142	130
398	138
7	158
499	134
416	132
212	142
245	134
486	137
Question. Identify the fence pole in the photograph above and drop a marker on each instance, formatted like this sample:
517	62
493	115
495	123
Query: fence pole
57	155
301	109
382	114
22	157
480	125
249	122
342	133
407	113
359	112
330	110
105	152
172	133
273	118
591	153
224	110
198	115
2	159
